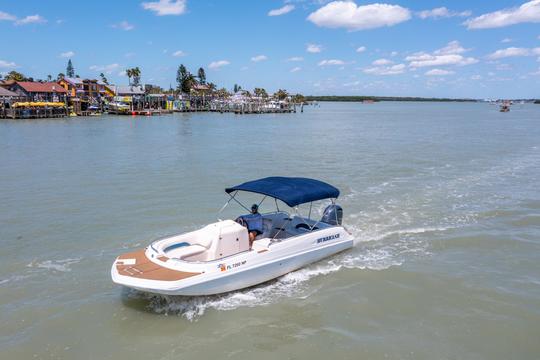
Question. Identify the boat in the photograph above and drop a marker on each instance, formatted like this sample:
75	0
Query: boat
505	107
218	258
119	107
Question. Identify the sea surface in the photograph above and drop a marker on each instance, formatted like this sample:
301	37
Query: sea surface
443	200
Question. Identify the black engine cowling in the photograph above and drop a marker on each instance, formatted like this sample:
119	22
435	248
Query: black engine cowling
333	215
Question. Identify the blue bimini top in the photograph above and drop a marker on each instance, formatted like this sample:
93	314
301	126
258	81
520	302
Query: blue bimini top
291	190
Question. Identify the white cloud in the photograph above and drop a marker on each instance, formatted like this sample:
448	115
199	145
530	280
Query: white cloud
124	25
166	7
67	54
394	53
442	12
361	49
295	58
448	55
331	62
423	60
107	69
7	17
314	48
281	11
218	64
31	19
8	64
380	62
476	77
178	53
438	72
259	58
506	40
295	69
453	47
348	15
510	52
528	12
386	70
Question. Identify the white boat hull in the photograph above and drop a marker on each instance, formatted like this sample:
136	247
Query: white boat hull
266	261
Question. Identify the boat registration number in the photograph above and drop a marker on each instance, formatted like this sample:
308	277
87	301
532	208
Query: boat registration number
225	267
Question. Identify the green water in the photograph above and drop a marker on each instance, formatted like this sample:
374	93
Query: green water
442	198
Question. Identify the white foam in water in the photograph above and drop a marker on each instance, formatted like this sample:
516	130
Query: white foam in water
63	265
292	285
13	278
382	240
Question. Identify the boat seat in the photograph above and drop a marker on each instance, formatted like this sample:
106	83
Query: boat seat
267	229
304	226
187	251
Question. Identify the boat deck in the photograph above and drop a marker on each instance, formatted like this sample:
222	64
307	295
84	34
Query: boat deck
137	265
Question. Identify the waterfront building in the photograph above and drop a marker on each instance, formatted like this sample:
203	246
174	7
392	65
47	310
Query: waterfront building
73	86
5	94
39	91
86	89
131	90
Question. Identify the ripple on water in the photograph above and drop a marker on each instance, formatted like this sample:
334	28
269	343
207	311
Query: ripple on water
63	265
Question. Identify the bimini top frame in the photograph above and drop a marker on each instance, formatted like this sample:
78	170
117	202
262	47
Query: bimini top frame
292	191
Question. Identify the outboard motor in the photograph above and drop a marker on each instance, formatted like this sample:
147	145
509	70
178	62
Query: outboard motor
333	214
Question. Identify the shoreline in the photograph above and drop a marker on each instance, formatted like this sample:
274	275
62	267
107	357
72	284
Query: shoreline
353	98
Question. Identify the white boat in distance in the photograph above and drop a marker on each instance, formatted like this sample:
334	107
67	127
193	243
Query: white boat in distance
218	258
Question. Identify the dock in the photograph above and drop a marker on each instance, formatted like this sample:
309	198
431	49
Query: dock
33	113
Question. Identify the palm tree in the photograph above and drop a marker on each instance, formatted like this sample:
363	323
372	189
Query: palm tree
202	76
260	92
281	94
129	74
136	73
223	92
104	79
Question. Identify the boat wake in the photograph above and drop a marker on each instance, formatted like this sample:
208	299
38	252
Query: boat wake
399	221
54	265
296	285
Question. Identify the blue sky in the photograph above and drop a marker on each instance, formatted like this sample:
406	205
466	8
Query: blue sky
480	49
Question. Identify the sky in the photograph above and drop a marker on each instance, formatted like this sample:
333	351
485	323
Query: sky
475	49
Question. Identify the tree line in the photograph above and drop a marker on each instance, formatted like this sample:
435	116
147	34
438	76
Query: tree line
186	82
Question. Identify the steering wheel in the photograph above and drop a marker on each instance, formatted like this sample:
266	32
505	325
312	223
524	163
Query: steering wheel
241	221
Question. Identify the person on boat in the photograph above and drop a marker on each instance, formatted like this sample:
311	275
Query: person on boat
253	222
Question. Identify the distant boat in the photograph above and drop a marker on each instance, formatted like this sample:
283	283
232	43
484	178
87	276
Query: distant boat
117	107
505	107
